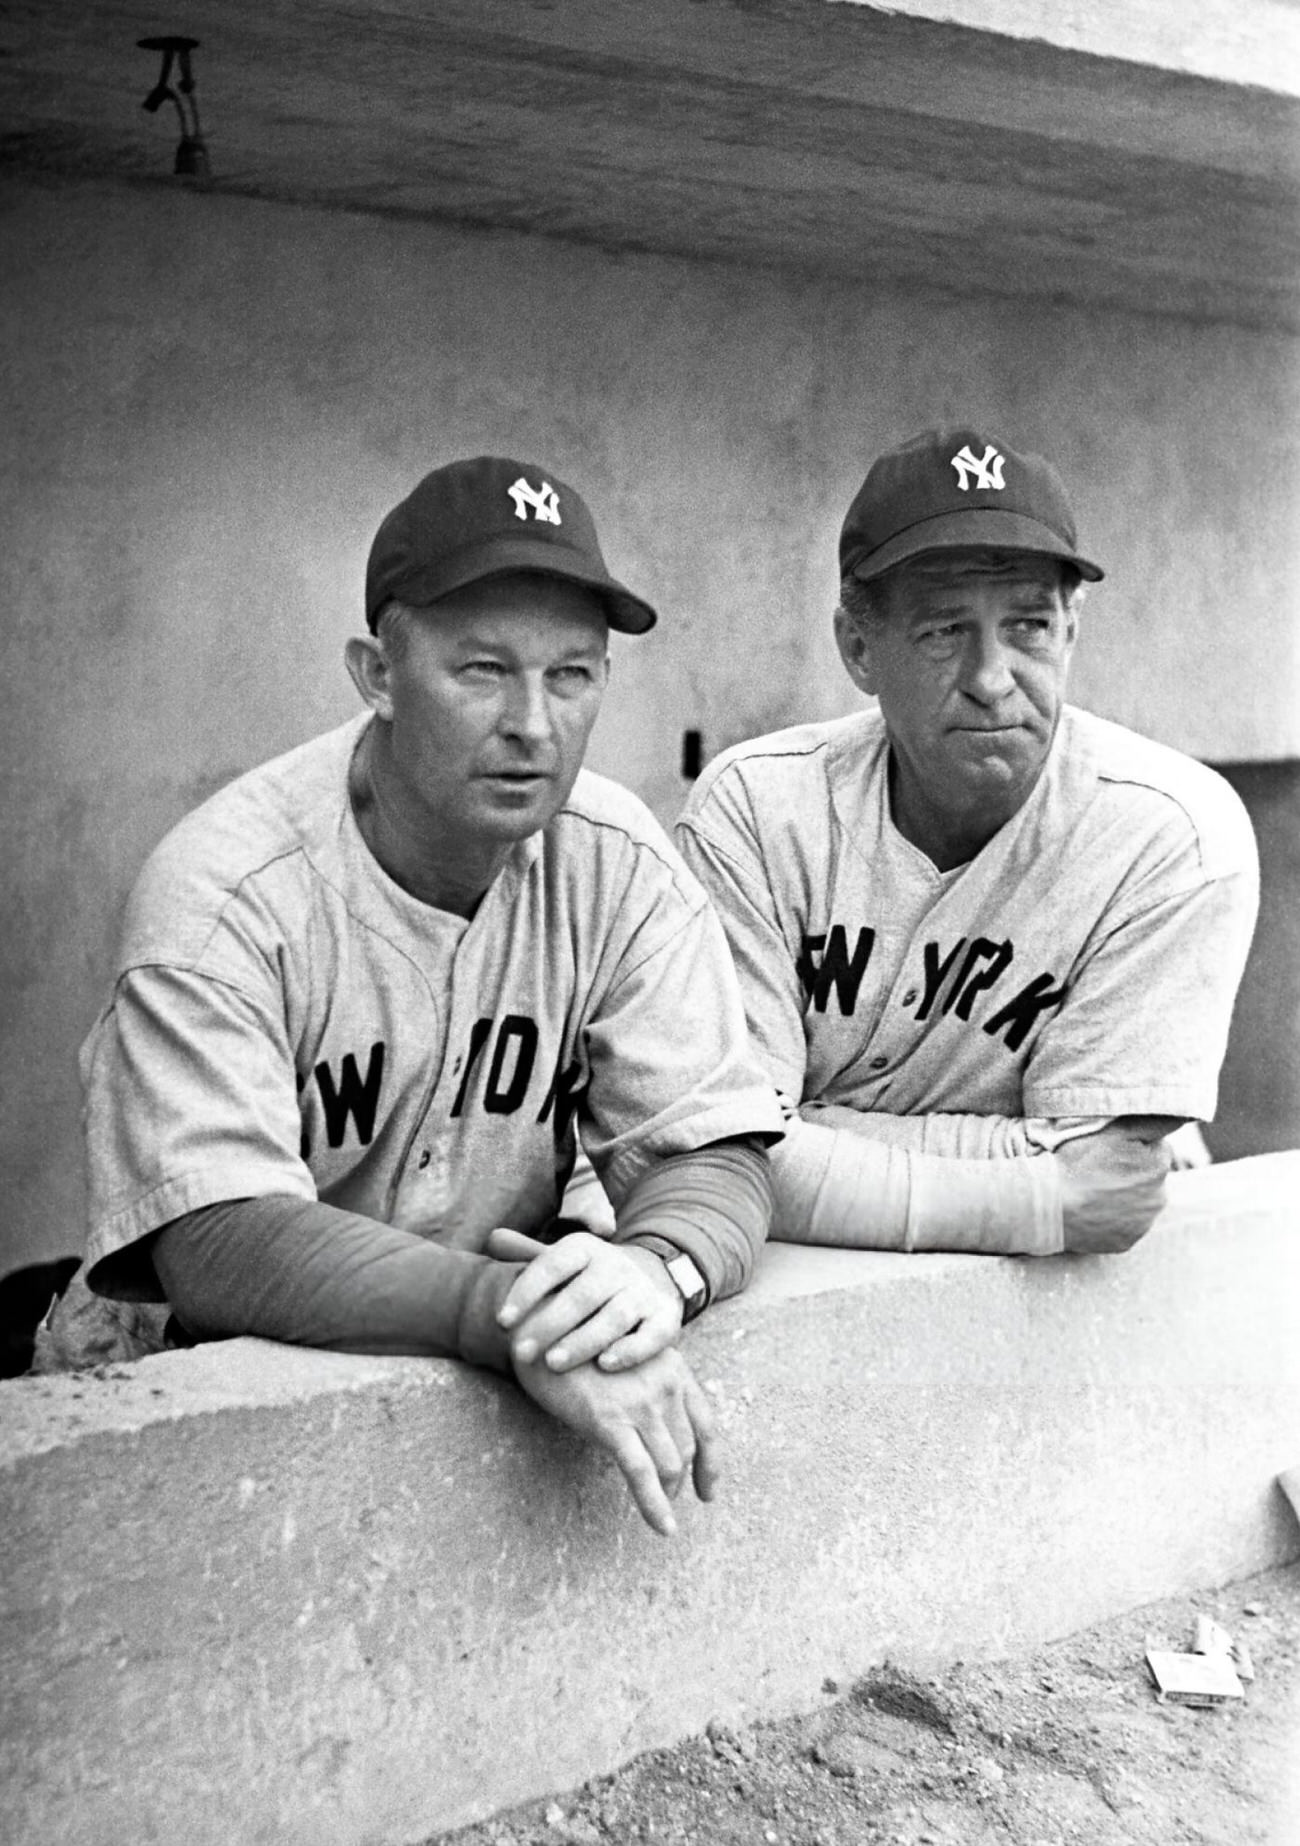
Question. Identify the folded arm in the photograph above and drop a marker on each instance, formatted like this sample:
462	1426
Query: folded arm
862	1181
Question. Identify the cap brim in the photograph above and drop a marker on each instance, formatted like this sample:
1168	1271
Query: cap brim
500	556
960	531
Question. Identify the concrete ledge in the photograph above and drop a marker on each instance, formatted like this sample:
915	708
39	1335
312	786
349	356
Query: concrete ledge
1253	42
264	1595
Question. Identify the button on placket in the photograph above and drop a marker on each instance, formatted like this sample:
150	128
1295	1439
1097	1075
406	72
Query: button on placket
430	1174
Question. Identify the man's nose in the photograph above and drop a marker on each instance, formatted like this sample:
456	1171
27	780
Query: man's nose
987	674
527	711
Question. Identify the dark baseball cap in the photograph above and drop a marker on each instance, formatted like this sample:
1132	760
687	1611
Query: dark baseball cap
949	489
483	518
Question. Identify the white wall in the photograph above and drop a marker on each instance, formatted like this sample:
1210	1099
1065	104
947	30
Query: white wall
209	403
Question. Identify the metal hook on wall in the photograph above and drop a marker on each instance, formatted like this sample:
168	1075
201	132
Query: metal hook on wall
192	154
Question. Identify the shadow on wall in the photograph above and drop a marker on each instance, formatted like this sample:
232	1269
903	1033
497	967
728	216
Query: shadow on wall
1259	1095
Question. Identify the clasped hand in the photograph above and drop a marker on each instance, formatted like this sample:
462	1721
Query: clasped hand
592	1347
585	1299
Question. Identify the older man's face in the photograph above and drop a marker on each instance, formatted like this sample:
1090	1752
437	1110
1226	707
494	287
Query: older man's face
491	705
969	664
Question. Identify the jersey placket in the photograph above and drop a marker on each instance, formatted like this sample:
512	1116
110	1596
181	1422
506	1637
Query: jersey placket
893	887
945	970
450	1141
421	1193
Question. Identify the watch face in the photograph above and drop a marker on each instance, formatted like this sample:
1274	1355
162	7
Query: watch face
690	1283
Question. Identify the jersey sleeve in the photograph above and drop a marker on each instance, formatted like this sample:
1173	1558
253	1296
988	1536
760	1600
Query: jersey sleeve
719	842
671	1066
1144	1025
190	1098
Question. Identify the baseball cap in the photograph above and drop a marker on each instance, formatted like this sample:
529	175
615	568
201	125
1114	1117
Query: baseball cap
482	518
948	489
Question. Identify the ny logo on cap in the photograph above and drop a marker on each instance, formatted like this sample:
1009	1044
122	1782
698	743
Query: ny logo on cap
987	470
542	500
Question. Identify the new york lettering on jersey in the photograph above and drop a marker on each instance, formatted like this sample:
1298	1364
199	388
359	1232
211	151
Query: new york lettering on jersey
507	1074
827	968
346	1100
487	1139
501	1071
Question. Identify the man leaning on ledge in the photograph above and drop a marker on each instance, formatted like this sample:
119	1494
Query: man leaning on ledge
989	943
369	990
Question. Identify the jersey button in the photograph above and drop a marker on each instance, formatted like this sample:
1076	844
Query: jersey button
909	997
878	1062
424	1159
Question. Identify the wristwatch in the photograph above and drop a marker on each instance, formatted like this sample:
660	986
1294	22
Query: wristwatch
682	1270
689	1283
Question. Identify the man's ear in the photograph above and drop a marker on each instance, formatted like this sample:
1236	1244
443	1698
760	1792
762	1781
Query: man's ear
372	674
853	638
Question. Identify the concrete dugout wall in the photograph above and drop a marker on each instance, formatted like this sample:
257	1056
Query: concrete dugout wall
264	1595
209	403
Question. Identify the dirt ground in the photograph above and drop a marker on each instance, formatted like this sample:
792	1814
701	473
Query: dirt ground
1068	1746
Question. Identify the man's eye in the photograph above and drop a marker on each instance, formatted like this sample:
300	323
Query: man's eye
486	668
571	675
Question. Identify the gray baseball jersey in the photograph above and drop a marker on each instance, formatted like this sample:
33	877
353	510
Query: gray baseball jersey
1084	963
286	1019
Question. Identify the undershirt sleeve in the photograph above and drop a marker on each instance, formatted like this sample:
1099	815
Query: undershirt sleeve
833	1186
955	1137
715	1204
309	1274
